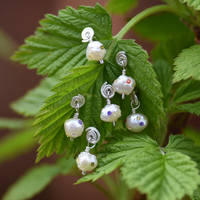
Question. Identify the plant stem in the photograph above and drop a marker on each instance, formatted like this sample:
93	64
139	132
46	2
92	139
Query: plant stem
142	15
135	20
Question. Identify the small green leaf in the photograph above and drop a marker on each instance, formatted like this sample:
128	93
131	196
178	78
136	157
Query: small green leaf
188	91
15	144
119	7
118	151
193	108
12	124
187	64
169	49
160	27
193	3
184	145
169	176
164	73
36	179
57	46
32	102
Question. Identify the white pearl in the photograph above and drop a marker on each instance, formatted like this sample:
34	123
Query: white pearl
74	127
136	122
124	84
110	113
95	51
86	161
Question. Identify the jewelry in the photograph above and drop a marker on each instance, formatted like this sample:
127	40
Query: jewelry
74	127
123	84
95	49
87	161
136	122
111	112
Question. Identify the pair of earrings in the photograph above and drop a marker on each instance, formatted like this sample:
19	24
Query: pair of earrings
74	127
122	85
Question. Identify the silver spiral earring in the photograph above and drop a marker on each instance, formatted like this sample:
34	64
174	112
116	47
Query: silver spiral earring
95	49
111	112
136	122
74	127
123	84
87	161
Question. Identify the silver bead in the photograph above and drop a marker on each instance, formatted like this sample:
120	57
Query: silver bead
86	161
110	113
136	122
95	51
73	127
124	84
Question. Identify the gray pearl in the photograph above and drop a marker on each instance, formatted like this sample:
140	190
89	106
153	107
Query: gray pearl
136	122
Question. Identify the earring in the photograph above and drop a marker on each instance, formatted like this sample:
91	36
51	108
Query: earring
111	112
87	161
136	122
123	84
95	49
74	127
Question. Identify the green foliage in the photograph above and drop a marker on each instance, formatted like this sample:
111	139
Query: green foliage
58	34
152	169
196	195
57	46
164	73
16	144
118	151
189	90
169	49
12	124
36	179
192	3
193	134
187	64
160	27
184	145
168	176
31	103
119	7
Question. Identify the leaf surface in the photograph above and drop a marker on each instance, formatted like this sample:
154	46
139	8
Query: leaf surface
119	7
12	124
31	103
193	3
169	176
187	64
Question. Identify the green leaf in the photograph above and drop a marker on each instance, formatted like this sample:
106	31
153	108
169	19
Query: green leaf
36	179
187	64
170	48
188	91
160	27
164	73
184	145
57	46
118	151
15	144
12	124
193	108
193	134
119	7
193	3
169	176
196	195
32	102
